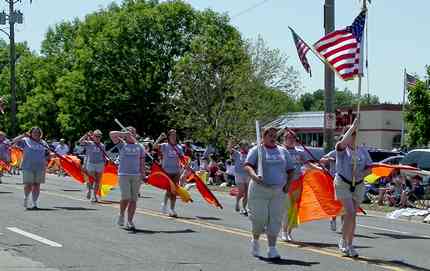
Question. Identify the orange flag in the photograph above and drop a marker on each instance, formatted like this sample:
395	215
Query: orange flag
72	165
204	190
318	197
160	179
109	179
16	155
4	166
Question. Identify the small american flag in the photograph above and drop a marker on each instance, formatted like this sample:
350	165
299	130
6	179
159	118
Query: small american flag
302	49
341	48
411	80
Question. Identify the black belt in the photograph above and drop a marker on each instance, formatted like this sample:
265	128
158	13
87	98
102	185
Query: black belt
351	185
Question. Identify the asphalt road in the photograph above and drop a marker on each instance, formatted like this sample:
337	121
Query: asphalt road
70	233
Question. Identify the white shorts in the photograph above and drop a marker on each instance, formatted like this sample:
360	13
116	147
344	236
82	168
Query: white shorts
33	176
95	168
129	186
343	190
238	179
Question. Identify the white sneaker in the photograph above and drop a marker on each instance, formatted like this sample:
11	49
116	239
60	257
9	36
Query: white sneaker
130	225
342	247
26	203
284	236
352	252
333	225
164	209
172	213
120	221
35	205
255	248
273	253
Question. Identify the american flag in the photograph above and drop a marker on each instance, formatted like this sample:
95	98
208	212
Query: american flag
302	49
411	80
341	48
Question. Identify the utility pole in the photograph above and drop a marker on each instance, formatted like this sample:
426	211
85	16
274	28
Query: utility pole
329	116
12	61
14	16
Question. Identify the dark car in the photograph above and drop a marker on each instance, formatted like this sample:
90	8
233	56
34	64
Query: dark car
419	158
379	155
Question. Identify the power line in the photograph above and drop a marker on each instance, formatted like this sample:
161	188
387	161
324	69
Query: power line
249	9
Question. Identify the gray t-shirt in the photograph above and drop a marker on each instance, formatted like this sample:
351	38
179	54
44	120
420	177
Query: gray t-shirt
276	163
35	155
344	163
299	158
94	153
170	161
332	162
239	161
4	151
130	156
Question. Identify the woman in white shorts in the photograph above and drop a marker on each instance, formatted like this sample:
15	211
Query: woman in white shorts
266	194
95	161
241	176
350	193
33	164
131	172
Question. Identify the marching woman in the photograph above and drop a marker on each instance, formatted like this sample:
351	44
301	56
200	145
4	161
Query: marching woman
266	194
299	158
171	153
241	177
131	172
349	193
4	151
95	161
34	162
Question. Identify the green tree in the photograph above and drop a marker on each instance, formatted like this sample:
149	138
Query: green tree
418	113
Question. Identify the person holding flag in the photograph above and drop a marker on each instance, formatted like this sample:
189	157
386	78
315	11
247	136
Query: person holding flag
299	159
171	153
4	151
131	172
349	185
266	194
241	178
36	154
95	161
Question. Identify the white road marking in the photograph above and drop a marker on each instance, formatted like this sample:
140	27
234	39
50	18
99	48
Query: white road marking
35	237
390	230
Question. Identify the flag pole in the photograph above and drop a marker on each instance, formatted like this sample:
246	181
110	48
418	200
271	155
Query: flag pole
402	138
360	75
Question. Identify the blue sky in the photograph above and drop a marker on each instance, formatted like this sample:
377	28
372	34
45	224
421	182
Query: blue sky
398	32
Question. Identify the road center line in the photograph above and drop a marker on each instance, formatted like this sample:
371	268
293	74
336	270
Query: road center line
35	237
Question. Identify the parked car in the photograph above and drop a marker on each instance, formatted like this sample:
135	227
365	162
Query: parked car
378	155
419	158
393	160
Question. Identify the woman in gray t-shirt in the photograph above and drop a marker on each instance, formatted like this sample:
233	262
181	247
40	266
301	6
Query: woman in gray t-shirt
266	194
171	153
95	160
349	184
33	163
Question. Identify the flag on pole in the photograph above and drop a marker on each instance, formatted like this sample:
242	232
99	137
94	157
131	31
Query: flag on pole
302	49
341	48
411	81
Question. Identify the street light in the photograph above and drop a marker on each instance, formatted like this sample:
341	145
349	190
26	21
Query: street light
14	16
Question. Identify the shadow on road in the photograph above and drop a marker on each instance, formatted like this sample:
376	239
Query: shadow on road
75	208
41	209
107	202
393	263
321	245
72	190
158	232
208	218
5	192
288	262
402	236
